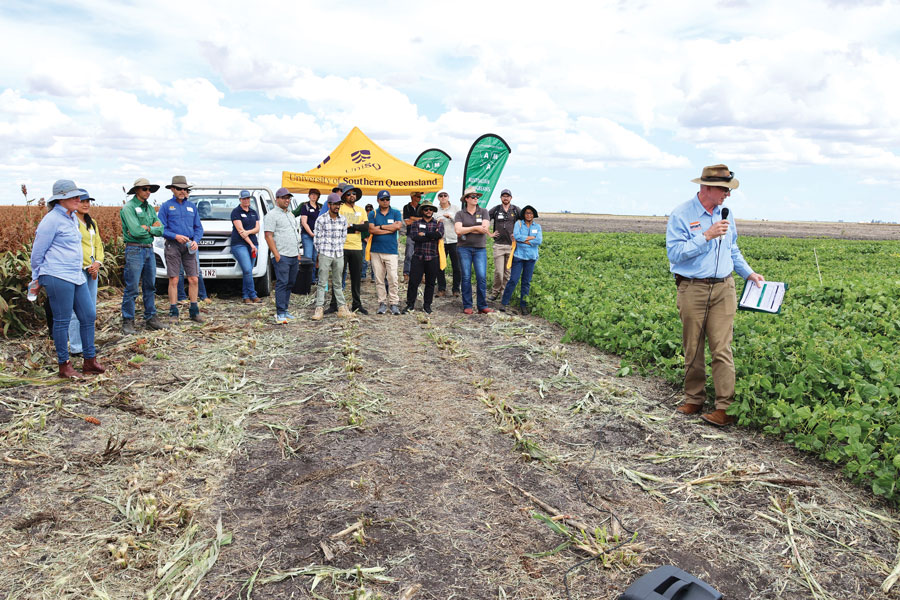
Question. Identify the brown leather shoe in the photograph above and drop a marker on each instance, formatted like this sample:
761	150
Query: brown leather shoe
718	418
689	409
248	301
92	367
256	300
67	372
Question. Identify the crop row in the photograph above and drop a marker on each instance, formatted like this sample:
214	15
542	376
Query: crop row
822	374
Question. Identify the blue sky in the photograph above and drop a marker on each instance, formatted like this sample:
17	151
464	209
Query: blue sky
609	107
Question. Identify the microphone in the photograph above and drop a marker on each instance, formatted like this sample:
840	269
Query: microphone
724	217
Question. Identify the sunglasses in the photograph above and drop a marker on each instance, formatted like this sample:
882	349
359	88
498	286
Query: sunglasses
180	189
472	196
384	199
145	189
428	209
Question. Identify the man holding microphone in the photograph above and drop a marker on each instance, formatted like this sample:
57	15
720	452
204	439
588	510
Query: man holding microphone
702	249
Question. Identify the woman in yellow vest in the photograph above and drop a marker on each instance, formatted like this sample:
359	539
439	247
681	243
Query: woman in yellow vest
92	259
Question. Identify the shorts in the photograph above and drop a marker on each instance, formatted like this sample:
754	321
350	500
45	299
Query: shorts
177	255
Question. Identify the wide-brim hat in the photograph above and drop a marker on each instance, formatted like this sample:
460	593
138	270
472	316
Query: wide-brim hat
179	181
717	176
527	207
346	187
424	205
85	195
467	191
63	189
143	182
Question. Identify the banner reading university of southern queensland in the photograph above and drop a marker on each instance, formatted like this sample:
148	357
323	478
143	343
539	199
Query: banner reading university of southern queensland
433	160
485	162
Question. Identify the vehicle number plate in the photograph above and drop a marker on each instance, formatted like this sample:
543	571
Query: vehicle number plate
208	273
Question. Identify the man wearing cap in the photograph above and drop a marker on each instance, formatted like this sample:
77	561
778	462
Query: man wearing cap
384	223
139	226
183	231
702	248
503	218
446	213
330	235
284	244
353	252
410	216
425	260
471	225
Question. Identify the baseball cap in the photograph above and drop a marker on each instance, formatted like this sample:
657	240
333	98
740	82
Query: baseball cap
384	194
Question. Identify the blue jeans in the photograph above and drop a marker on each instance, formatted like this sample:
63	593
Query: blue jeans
241	254
64	296
525	269
75	324
467	258
201	287
140	268
285	276
309	251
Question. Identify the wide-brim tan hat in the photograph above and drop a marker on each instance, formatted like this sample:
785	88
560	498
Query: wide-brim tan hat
143	182
717	176
469	190
179	181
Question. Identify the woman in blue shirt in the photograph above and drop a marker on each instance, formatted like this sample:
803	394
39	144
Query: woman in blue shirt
528	236
56	261
245	226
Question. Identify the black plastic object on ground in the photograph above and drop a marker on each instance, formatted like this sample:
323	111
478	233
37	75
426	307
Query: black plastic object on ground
670	583
303	283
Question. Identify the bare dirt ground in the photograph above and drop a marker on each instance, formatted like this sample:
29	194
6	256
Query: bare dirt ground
582	223
398	457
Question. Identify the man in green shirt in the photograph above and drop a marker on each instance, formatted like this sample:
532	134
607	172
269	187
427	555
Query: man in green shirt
139	227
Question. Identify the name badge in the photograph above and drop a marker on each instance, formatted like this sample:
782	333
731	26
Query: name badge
421	226
695	225
500	216
534	232
390	221
243	215
189	209
138	210
171	208
478	221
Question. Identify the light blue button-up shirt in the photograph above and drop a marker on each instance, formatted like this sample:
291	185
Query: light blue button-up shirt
521	231
690	255
57	247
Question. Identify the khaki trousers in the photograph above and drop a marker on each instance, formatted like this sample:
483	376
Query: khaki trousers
719	331
501	273
385	264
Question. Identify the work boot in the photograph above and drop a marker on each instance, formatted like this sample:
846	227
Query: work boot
318	314
154	324
128	327
67	372
689	408
718	418
343	313
524	310
92	367
196	318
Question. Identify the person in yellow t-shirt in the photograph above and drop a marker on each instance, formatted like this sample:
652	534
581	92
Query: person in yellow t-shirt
357	224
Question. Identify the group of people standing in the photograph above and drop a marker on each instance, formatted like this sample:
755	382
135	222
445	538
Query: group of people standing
339	236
